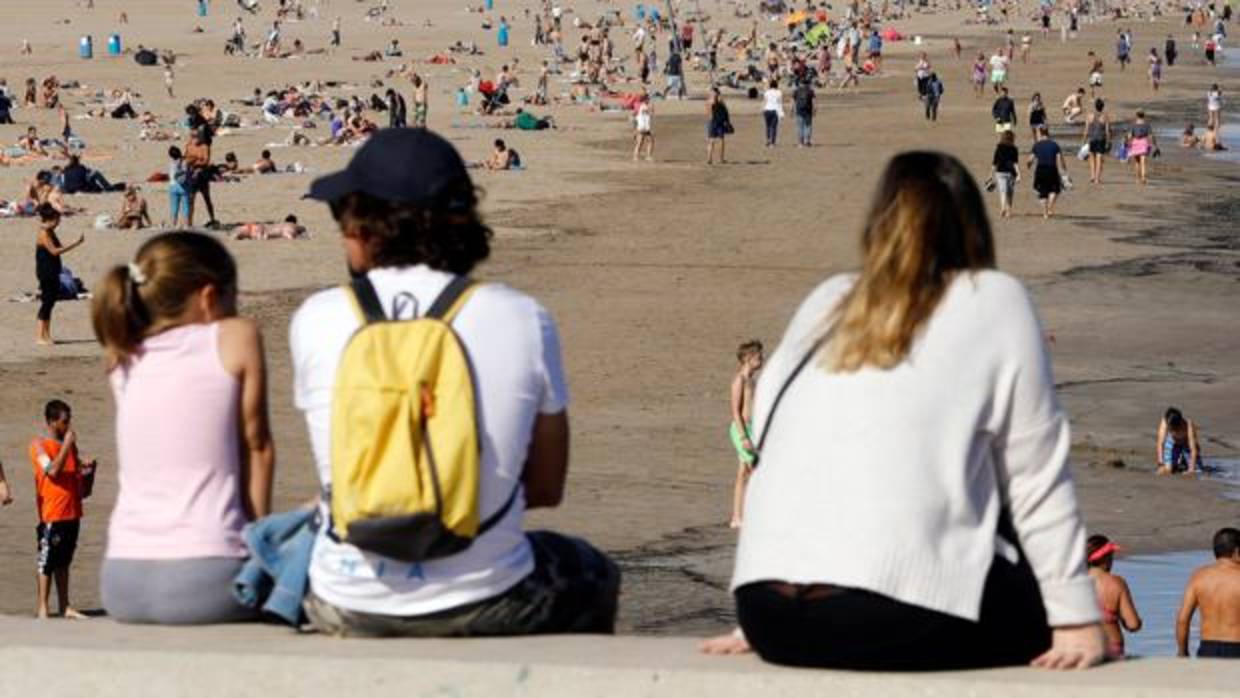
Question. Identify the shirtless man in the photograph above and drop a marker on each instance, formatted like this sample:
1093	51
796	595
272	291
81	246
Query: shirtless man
421	100
1119	613
1215	589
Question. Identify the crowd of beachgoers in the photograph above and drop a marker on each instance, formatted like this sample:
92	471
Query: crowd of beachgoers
437	406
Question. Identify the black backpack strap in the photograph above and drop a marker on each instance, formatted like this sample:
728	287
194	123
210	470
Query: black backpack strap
448	297
367	299
495	518
770	417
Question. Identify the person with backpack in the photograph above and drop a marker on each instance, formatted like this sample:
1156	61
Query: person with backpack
437	413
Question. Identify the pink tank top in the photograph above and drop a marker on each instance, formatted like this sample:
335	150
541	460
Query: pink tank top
178	446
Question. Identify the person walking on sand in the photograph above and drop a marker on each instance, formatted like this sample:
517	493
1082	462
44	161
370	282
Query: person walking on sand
1003	111
1142	145
804	101
1049	169
934	94
718	127
740	430
1004	168
421	100
1097	137
1095	74
1170	51
1156	66
643	128
47	267
1037	114
978	75
1119	612
772	111
6	493
1214	590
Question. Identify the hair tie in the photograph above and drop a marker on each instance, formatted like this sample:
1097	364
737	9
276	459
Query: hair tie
1102	552
136	275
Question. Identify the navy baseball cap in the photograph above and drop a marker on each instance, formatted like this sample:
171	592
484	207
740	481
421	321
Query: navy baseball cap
402	165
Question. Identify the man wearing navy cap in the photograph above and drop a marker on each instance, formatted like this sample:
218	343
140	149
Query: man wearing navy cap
408	217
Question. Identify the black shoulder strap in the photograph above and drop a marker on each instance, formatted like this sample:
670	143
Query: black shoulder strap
368	299
770	417
448	297
495	518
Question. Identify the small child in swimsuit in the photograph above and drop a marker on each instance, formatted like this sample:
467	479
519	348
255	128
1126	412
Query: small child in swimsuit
1114	597
749	357
1178	447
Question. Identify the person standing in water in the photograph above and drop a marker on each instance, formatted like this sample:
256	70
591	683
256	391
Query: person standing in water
1215	591
1119	612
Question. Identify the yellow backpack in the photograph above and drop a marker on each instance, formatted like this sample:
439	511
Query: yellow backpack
405	447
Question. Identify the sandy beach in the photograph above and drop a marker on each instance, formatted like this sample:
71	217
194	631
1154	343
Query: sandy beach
656	271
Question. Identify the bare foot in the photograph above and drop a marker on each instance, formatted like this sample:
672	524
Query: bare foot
74	614
45	342
733	643
41	614
735	523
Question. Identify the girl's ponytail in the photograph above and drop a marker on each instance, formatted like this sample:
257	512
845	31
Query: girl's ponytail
119	318
153	292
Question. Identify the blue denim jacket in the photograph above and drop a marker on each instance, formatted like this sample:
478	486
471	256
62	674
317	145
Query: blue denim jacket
277	573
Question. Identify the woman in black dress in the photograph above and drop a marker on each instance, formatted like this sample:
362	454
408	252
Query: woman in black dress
718	126
47	266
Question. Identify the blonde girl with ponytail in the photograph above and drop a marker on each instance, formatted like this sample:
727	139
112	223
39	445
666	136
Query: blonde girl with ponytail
195	452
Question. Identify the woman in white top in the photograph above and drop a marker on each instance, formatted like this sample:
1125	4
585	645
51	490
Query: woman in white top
772	111
643	134
912	507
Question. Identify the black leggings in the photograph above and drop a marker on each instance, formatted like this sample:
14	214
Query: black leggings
853	629
49	292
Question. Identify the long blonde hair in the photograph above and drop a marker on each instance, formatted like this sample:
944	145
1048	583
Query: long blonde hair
926	223
156	288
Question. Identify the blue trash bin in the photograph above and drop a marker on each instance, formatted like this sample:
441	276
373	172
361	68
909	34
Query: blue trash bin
202	8
114	45
502	35
86	48
490	4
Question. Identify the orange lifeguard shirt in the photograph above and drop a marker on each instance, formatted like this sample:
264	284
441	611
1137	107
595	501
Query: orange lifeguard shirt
57	498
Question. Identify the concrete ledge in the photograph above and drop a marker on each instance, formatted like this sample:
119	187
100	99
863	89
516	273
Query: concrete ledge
102	659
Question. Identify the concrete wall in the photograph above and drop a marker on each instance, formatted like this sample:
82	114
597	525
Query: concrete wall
101	659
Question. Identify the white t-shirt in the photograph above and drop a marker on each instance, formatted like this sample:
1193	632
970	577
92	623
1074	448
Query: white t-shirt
514	349
998	64
643	117
1214	100
892	480
773	100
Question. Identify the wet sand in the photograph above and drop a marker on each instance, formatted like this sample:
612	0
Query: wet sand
656	272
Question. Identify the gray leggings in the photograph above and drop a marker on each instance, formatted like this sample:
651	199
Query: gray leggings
193	591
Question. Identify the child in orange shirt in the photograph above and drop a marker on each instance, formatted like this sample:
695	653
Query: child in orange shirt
61	482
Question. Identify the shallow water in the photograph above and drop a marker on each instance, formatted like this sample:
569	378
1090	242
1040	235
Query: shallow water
1157	584
1157	581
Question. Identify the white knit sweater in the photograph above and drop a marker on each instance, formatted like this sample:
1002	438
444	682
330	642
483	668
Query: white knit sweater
892	481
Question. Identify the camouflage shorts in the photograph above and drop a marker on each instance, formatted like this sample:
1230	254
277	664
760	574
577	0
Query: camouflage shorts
574	588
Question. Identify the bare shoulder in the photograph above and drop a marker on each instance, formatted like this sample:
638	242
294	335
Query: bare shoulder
240	343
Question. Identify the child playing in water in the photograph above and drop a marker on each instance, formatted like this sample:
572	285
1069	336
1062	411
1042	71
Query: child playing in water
62	480
1114	597
749	356
1178	448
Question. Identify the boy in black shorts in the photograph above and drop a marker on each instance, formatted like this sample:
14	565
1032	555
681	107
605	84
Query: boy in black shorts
61	481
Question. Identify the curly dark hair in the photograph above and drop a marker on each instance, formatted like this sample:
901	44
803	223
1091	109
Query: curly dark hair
447	239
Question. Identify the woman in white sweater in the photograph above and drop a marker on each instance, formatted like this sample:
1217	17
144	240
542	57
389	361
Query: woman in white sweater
912	507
